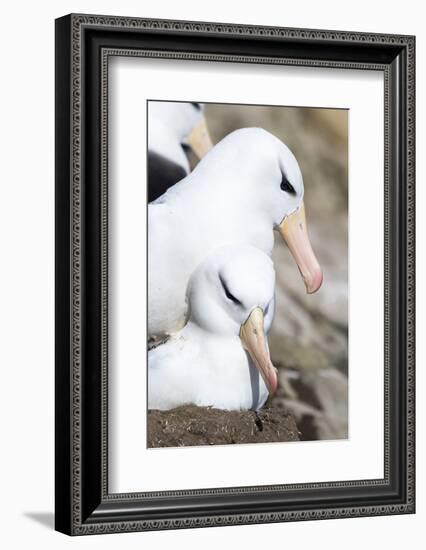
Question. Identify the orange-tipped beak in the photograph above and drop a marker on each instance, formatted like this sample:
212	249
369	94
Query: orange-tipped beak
294	231
199	139
252	335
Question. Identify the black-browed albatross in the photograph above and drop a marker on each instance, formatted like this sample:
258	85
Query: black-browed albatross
248	185
173	127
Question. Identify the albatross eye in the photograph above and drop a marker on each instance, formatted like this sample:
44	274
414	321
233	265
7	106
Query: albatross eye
228	294
286	186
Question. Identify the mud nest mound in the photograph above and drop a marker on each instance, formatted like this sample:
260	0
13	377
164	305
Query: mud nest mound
191	425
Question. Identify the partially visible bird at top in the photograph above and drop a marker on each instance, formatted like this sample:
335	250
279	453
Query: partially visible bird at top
172	128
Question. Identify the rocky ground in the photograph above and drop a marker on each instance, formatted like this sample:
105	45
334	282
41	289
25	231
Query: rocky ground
193	425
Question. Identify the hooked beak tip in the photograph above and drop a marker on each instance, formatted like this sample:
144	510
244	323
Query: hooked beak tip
314	283
273	383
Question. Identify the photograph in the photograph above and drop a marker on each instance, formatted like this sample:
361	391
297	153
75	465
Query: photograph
247	322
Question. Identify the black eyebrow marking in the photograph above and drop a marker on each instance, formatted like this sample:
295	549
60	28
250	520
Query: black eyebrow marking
228	294
286	186
196	105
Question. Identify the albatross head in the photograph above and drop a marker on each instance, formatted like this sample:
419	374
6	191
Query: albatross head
231	294
184	121
262	177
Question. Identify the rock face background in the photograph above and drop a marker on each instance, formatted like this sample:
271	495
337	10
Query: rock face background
309	338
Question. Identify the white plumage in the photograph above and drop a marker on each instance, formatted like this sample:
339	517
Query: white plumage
235	195
170	124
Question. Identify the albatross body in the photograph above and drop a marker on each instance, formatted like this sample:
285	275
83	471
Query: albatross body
221	357
172	126
248	185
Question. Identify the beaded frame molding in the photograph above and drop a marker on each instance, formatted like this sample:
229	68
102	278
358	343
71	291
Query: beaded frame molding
84	43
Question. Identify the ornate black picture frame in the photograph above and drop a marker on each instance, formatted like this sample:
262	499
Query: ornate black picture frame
83	46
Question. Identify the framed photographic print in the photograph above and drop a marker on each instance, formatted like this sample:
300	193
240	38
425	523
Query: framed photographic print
234	274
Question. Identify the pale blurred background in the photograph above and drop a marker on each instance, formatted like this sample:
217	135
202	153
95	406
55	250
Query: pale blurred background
309	337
